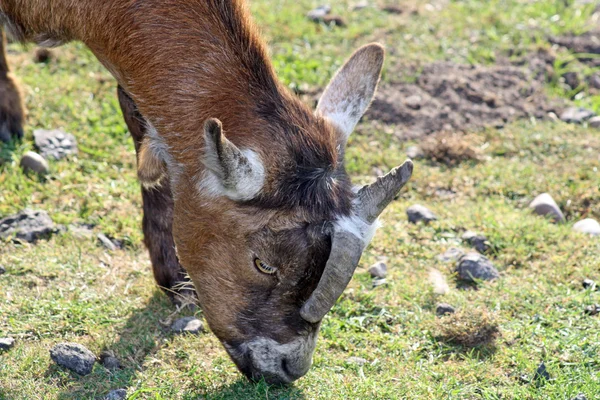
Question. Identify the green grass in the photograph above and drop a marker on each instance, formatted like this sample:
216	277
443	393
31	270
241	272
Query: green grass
71	289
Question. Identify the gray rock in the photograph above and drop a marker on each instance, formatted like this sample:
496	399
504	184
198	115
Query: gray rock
73	356
413	102
379	282
474	266
106	242
414	152
319	13
452	254
479	242
81	231
594	122
580	396
117	394
588	225
576	115
32	161
2	269
55	143
418	213
187	325
28	225
594	81
356	360
109	361
378	270
444	309
541	373
589	284
592	310
6	343
545	205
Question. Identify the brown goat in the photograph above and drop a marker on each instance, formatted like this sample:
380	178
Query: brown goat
263	217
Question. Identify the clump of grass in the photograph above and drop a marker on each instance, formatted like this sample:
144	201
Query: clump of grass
452	148
468	328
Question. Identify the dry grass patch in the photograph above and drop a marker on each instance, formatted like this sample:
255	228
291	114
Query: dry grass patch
452	148
468	328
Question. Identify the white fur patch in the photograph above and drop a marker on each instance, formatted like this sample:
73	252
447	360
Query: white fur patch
358	227
246	186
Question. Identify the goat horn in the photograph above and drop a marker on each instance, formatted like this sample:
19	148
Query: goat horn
350	237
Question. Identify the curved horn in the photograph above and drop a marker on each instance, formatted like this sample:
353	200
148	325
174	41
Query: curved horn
350	237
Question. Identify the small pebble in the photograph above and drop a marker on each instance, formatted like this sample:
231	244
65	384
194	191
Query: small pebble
32	161
414	152
589	284
413	102
444	309
106	242
594	122
418	213
6	343
379	282
356	360
73	356
378	270
576	115
2	269
474	266
393	9
452	254
588	225
592	310
541	373
117	394
318	13
109	361
479	242
187	325
334	20
545	205
54	143
580	396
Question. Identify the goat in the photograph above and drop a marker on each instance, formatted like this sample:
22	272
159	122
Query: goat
243	185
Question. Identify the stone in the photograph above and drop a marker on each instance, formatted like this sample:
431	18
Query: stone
589	284
334	20
28	225
592	310
106	242
594	81
452	254
588	225
6	343
109	361
444	309
580	396
545	205
379	282
576	115
32	161
594	122
318	13
413	101
378	270
73	356
541	373
572	79
414	152
357	361
479	242
393	9
474	266
117	394
55	143
2	270
187	325
81	231
418	213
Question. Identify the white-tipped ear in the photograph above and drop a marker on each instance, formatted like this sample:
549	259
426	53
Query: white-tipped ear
237	174
351	90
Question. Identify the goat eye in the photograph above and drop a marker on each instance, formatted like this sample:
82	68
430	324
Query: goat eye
264	268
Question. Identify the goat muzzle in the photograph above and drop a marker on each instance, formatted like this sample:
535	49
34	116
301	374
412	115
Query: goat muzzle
350	236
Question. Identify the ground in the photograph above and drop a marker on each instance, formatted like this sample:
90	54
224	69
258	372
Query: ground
70	288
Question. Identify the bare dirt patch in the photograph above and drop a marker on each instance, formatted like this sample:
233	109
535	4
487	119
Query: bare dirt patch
454	97
585	46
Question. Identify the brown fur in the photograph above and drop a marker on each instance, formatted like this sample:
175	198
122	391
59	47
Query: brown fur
12	110
180	62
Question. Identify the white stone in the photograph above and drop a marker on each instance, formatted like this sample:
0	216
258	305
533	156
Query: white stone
588	225
545	205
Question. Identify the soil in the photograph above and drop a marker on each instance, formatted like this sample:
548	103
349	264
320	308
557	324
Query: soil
454	97
587	43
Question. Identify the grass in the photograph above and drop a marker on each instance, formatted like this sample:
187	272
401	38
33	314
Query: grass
71	289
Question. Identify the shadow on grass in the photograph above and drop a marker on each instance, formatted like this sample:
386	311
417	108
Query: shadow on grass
140	339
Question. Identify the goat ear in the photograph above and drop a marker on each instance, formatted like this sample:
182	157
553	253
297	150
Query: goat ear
237	174
351	90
